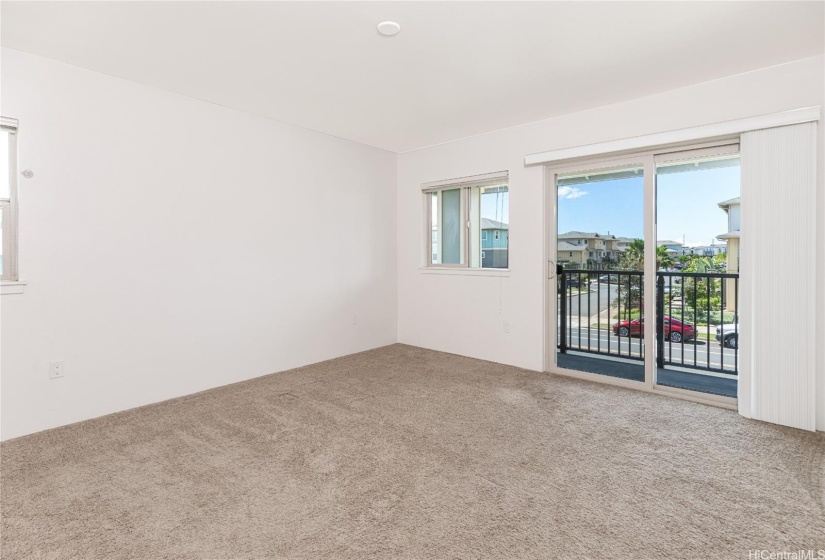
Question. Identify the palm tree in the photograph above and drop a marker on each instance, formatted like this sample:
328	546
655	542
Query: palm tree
630	293
634	256
663	260
706	264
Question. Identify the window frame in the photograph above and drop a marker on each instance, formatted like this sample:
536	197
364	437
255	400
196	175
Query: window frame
465	184
9	206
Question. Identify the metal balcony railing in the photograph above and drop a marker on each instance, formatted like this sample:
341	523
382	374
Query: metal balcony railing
603	312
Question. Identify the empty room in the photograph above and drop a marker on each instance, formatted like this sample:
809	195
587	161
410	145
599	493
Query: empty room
412	280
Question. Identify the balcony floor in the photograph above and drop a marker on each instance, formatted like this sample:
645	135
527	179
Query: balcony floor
700	382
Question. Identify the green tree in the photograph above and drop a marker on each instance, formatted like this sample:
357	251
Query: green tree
631	296
706	264
686	259
663	260
702	296
634	256
608	263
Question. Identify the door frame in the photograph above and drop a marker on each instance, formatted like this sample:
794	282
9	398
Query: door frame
647	159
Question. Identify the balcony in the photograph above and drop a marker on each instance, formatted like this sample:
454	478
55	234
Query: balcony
601	324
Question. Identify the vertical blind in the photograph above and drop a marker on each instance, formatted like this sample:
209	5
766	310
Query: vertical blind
779	287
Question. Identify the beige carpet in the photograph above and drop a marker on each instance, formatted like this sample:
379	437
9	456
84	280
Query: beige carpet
407	453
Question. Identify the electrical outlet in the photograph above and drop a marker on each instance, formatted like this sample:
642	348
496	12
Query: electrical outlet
506	327
56	370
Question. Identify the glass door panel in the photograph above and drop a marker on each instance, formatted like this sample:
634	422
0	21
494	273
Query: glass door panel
697	278
600	271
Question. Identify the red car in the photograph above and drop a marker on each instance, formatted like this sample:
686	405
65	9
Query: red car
675	330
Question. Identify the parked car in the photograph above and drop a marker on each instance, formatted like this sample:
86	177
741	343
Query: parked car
675	330
728	335
573	282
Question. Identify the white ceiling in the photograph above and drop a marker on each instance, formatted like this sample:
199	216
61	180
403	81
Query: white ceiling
455	70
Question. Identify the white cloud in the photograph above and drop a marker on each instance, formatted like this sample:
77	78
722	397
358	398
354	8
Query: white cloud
571	192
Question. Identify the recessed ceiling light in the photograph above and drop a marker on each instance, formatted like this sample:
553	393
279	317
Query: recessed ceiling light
388	28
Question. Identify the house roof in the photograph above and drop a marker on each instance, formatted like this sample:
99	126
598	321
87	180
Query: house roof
584	235
669	242
730	202
487	223
565	246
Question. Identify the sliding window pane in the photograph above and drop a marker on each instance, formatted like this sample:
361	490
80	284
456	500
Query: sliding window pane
451	227
495	229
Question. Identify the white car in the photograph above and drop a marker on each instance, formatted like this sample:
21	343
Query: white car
728	335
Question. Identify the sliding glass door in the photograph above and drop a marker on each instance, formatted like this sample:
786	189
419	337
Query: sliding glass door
697	264
644	267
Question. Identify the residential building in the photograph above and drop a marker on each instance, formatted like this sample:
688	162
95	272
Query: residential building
581	247
731	237
495	239
616	246
571	255
674	248
596	248
705	250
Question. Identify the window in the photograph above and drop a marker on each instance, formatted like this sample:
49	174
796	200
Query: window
8	199
459	213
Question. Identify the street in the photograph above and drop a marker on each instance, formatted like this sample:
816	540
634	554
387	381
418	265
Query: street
598	299
705	352
592	302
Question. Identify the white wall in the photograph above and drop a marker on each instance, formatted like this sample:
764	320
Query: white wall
464	314
733	217
171	245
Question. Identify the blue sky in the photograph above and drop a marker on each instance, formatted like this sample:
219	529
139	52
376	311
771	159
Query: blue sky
687	206
496	206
